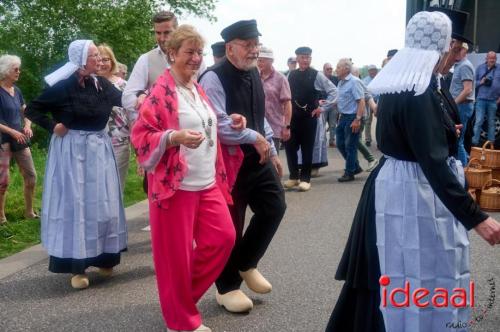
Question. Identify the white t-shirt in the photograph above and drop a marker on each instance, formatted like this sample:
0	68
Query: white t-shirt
200	161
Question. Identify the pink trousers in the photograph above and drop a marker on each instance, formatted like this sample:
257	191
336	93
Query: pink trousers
191	241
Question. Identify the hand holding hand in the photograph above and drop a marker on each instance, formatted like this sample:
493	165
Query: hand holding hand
489	230
187	137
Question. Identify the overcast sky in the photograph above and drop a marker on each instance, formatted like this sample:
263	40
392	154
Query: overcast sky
359	29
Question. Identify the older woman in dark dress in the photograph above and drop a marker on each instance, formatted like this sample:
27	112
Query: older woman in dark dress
413	216
83	220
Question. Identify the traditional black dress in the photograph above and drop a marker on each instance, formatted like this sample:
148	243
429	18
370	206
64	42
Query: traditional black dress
417	130
83	218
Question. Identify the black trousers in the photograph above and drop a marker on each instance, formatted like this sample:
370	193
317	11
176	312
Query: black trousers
302	135
257	186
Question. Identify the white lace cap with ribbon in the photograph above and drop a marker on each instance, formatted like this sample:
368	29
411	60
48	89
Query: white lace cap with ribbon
428	36
77	54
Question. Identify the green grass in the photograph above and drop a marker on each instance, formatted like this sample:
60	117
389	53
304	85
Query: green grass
19	233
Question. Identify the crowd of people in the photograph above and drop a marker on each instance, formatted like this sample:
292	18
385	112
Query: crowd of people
208	142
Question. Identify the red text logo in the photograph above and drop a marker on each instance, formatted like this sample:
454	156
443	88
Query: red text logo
423	297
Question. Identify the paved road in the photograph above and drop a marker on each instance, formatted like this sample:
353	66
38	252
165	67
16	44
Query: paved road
300	264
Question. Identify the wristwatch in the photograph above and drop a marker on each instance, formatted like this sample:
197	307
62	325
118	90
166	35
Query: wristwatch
287	126
358	117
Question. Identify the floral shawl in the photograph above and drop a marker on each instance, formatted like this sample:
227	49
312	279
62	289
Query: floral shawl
158	114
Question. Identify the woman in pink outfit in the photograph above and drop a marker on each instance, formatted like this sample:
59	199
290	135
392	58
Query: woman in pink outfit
176	141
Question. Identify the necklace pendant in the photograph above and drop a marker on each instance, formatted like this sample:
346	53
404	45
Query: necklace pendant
210	142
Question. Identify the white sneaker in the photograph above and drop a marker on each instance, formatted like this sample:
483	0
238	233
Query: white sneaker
372	165
304	186
234	301
289	184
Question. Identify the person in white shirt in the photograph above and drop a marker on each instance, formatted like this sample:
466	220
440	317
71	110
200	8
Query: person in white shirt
150	65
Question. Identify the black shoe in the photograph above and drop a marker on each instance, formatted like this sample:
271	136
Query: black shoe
368	143
346	178
358	171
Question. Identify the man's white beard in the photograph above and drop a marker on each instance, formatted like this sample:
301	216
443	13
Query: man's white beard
247	66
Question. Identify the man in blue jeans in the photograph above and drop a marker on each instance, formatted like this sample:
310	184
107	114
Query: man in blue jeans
488	96
351	106
462	90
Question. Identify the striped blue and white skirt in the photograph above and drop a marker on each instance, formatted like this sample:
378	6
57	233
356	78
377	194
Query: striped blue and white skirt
419	241
82	208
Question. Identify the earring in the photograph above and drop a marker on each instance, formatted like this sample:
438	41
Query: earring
172	59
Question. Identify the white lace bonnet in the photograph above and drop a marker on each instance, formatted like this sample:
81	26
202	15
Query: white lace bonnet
428	36
77	54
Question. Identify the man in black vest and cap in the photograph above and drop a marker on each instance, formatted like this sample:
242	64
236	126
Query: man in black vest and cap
307	86
234	86
218	51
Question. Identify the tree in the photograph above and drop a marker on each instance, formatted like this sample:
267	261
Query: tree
39	31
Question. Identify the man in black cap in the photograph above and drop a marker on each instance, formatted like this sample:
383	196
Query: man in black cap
218	51
306	85
292	65
458	21
234	86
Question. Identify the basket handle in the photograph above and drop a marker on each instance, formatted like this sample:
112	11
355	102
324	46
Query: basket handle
473	161
490	182
490	144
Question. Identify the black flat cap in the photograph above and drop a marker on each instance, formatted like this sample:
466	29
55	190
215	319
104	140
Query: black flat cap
240	30
391	52
458	21
219	49
304	50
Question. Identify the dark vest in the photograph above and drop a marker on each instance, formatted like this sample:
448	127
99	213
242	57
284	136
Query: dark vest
304	95
244	94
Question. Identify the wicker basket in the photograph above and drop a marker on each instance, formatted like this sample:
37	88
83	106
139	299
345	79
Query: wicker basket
487	157
490	196
476	174
495	173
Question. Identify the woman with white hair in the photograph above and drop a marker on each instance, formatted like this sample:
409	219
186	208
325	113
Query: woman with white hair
15	136
83	220
410	227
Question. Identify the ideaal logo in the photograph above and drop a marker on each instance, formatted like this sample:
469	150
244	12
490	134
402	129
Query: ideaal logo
440	298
